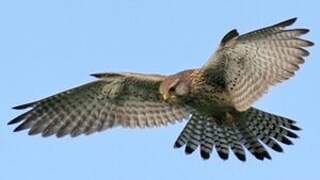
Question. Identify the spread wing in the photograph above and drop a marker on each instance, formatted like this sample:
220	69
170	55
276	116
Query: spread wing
247	65
116	99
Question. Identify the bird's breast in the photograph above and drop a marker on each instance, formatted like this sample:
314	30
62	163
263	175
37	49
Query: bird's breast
209	99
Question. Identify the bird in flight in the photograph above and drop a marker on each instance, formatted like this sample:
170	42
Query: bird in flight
215	99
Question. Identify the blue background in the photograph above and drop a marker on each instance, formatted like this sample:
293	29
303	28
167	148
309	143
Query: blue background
50	46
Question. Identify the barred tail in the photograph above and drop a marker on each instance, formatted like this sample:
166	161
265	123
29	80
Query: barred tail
250	130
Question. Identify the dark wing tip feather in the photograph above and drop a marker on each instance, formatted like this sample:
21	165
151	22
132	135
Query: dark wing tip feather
292	134
98	75
21	127
286	23
303	30
296	128
230	35
299	31
101	75
304	52
19	118
309	43
24	106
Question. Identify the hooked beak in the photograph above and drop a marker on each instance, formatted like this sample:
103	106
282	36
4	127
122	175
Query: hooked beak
166	96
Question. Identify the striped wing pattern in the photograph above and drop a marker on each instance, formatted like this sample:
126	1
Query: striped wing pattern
249	64
126	100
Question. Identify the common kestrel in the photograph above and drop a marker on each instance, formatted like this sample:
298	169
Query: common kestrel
216	99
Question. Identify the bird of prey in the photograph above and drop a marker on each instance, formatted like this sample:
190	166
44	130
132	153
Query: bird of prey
215	99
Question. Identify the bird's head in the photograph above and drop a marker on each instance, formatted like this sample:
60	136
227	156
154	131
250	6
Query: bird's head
176	86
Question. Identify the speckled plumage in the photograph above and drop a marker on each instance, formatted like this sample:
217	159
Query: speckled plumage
216	99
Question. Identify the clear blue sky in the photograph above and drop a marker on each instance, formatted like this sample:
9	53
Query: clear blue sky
49	46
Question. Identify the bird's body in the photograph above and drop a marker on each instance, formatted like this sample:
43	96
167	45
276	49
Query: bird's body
205	96
212	98
216	99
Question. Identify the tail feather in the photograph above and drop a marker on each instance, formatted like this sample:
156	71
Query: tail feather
251	130
191	136
185	136
251	142
222	143
235	142
269	125
207	141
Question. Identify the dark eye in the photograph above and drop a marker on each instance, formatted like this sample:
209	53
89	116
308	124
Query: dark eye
172	89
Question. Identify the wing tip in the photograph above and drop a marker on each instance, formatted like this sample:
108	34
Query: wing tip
97	75
309	43
23	106
17	119
14	121
19	128
230	35
102	75
300	31
288	22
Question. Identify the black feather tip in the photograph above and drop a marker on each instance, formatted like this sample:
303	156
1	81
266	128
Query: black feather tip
230	35
19	118
23	106
205	155
288	22
286	141
241	157
223	155
262	155
177	145
188	150
277	147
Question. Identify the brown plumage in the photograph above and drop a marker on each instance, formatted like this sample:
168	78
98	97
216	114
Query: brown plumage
216	99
